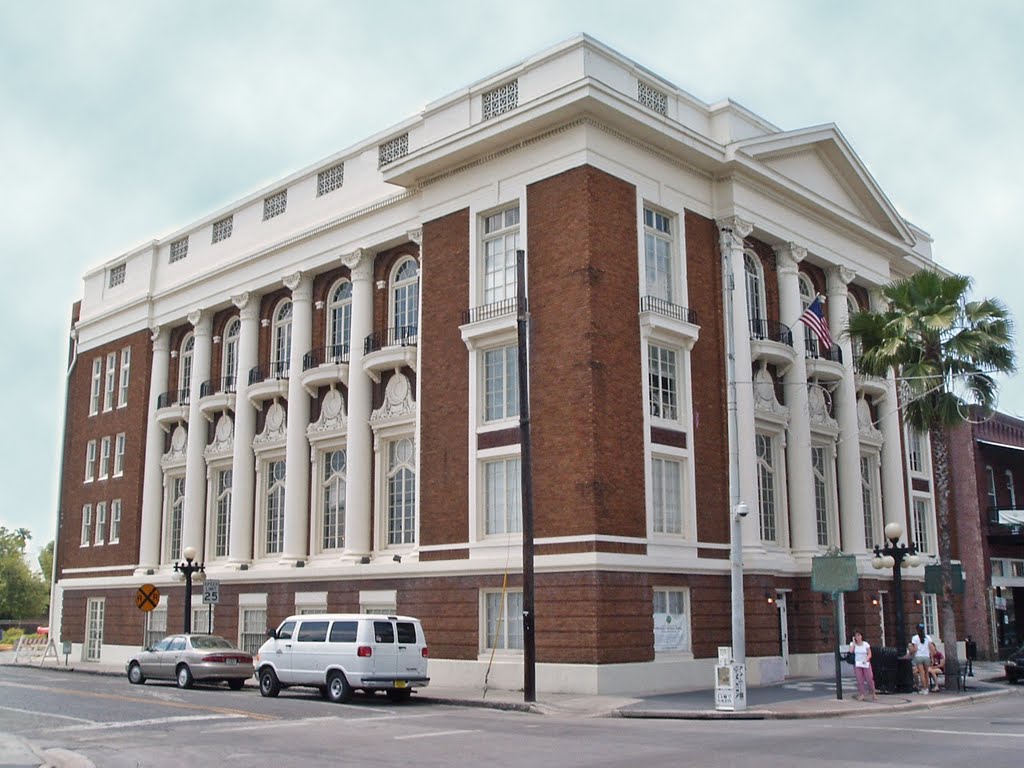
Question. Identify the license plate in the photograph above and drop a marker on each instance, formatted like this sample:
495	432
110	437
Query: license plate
231	662
399	683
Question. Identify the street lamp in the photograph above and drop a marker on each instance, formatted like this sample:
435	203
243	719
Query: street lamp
896	556
186	569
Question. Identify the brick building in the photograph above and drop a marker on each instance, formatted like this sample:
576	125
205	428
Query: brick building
316	387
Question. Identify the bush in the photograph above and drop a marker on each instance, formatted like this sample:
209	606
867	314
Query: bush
11	635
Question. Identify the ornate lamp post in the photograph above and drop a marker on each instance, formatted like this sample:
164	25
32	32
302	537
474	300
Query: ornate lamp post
896	556
186	569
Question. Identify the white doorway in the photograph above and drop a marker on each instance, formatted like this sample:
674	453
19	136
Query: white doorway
94	628
780	604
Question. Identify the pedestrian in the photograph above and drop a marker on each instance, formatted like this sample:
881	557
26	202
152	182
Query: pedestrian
861	651
937	667
922	651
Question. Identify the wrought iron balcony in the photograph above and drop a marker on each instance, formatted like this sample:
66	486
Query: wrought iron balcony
278	370
769	330
1006	522
335	354
398	336
668	309
173	397
492	310
217	386
813	349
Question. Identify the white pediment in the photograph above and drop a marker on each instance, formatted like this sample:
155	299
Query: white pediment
810	169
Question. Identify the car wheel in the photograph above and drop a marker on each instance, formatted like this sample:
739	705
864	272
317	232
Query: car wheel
269	684
184	677
236	685
135	676
338	689
398	695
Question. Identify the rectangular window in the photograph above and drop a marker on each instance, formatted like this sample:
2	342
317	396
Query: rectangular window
312	632
501	99
90	461
503	496
667	486
111	381
252	625
119	449
915	451
765	447
222	522
501	383
333	489
175	514
662	382
179	250
503	614
222	229
867	491
96	385
1011	489
671	621
920	527
156	625
275	205
94	628
331	179
993	496
115	521
930	610
202	618
101	522
86	526
658	255
820	480
401	492
116	275
274	498
126	365
501	241
343	632
104	458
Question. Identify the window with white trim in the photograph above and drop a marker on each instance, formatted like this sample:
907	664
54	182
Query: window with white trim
501	383
273	503
252	628
767	487
405	299
503	620
104	458
119	450
401	492
95	613
86	537
203	618
500	243
920	524
115	521
869	499
332	499
662	382
275	205
993	496
222	512
174	517
503	511
156	624
101	522
188	345
281	350
111	382
95	386
659	255
229	354
821	470
916	456
671	620
339	321
754	281
126	366
807	294
1011	489
930	610
667	492
90	461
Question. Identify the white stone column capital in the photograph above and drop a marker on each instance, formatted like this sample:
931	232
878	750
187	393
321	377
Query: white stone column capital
837	278
416	235
300	284
160	337
789	257
359	263
877	299
248	304
201	322
732	230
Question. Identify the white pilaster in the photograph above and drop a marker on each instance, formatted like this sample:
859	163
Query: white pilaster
358	512
851	507
152	478
296	498
803	527
243	462
195	461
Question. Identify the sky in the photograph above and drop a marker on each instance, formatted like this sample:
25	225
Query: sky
121	121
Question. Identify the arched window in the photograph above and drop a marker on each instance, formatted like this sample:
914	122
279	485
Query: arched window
333	490
401	492
274	498
229	362
281	351
755	288
807	294
339	321
185	367
405	297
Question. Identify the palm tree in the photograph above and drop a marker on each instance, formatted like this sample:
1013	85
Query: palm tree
944	351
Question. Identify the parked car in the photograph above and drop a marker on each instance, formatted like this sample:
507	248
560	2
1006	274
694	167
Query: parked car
190	658
342	653
1015	665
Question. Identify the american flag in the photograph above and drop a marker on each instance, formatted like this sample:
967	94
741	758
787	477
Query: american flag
814	318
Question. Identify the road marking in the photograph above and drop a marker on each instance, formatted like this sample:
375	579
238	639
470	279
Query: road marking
334	719
144	723
937	731
431	734
48	714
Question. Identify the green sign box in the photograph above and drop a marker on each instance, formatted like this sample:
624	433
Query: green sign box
834	573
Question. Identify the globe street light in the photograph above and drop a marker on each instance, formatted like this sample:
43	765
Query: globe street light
896	556
186	569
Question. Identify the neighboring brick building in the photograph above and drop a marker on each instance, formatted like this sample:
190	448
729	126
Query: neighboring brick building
316	387
987	458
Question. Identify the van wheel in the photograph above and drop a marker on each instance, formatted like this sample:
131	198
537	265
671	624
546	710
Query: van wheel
338	689
269	684
398	695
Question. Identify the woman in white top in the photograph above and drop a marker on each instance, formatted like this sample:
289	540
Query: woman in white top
862	667
921	649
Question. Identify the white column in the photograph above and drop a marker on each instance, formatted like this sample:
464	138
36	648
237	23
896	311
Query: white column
742	455
243	464
296	479
851	507
894	503
152	478
358	512
193	525
803	526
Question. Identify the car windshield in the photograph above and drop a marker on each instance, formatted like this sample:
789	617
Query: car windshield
209	641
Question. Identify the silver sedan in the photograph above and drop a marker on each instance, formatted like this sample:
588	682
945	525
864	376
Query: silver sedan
190	658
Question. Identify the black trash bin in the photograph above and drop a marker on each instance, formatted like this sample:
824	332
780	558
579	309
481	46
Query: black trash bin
892	673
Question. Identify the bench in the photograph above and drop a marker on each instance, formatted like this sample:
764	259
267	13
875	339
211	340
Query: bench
961	681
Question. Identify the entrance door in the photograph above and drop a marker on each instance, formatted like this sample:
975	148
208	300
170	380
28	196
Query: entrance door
881	620
94	628
780	603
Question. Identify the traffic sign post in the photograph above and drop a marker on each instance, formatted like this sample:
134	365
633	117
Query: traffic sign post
834	573
211	592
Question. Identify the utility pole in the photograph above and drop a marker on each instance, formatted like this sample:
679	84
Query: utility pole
522	332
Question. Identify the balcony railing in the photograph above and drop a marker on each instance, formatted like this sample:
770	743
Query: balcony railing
812	349
174	397
668	309
278	370
1006	520
336	354
769	330
215	386
399	336
492	310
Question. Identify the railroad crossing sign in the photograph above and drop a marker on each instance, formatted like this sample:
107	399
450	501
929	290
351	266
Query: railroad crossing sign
147	598
211	591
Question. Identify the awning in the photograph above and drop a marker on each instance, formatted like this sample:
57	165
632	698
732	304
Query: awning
990	444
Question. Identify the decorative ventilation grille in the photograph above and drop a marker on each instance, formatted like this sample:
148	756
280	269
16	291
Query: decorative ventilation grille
116	275
179	249
275	204
651	98
222	229
392	150
501	99
330	180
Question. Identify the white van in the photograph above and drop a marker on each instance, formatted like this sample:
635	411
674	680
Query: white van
344	652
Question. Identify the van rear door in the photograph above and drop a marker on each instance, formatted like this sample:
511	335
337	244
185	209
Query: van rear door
411	662
385	650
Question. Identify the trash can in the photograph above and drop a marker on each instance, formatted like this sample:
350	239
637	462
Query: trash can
892	674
